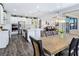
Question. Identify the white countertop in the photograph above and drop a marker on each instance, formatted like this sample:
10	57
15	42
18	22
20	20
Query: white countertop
34	29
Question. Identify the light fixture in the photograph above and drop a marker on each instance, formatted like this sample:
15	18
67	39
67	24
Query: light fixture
14	9
60	17
37	7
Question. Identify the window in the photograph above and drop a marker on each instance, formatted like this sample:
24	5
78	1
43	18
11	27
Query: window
72	23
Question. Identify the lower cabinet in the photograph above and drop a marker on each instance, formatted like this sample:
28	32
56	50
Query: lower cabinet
36	33
4	39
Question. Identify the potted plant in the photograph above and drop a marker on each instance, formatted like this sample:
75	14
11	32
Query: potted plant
61	33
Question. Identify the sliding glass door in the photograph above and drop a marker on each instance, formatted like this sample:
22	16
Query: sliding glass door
71	23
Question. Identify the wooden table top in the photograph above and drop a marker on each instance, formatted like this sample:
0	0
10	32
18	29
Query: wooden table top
55	44
74	32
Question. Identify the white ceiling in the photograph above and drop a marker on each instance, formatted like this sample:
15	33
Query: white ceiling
73	14
35	9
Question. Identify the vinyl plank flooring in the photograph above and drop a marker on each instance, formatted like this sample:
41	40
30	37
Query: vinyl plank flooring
17	46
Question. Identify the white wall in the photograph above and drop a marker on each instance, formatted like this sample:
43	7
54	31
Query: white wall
14	20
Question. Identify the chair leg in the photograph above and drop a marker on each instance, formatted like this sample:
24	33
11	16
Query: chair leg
69	54
76	52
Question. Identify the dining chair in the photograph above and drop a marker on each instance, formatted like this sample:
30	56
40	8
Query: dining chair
77	47
37	46
73	48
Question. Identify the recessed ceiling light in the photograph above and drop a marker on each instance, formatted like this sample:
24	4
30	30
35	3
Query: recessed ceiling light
37	7
14	9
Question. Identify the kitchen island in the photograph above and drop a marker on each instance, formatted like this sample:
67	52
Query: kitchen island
31	32
4	38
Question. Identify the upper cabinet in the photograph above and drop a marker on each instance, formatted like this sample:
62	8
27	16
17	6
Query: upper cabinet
1	15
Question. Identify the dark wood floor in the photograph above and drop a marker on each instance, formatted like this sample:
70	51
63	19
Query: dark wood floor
17	46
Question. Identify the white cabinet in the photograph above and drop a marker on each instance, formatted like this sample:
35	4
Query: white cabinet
4	39
8	26
36	33
1	15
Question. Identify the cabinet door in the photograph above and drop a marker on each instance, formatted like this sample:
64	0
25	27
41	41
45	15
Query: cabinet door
1	15
4	39
37	33
30	33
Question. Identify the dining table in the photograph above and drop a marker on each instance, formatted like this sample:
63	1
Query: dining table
74	32
55	44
